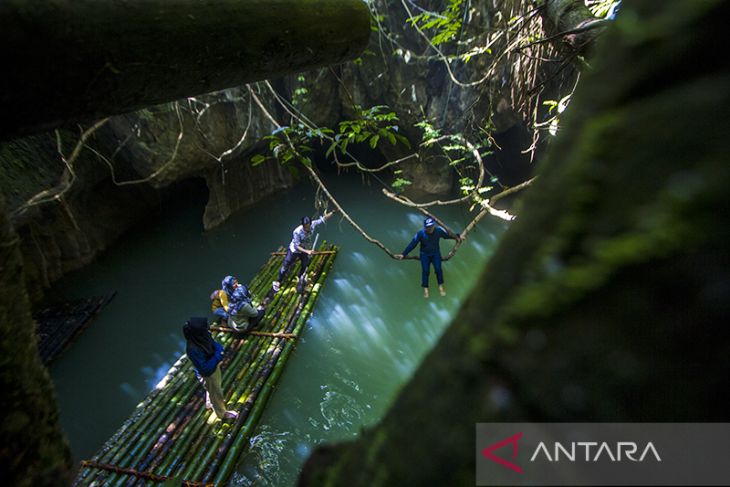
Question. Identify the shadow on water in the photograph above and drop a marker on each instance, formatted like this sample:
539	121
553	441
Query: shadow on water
368	332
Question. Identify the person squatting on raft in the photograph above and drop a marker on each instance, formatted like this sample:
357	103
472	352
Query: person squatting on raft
300	248
429	237
220	299
206	354
243	316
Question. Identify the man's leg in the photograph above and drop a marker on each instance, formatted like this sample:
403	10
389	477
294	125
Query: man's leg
212	385
304	259
439	273
302	279
425	271
284	270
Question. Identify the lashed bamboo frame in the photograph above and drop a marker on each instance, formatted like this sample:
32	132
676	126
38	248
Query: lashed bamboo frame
170	434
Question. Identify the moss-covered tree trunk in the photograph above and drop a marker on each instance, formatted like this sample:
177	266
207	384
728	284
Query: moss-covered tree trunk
33	451
609	299
84	59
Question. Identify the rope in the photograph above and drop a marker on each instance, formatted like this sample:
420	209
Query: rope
135	473
321	203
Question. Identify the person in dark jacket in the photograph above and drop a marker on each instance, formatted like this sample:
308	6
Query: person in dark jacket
429	237
206	354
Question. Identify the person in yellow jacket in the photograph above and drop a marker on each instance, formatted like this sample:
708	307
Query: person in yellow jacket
220	299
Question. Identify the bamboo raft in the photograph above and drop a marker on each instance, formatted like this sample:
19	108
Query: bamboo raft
171	435
61	323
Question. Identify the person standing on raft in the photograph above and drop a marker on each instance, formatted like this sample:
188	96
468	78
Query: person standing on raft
206	354
300	248
429	237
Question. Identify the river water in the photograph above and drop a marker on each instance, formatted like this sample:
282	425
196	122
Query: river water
369	330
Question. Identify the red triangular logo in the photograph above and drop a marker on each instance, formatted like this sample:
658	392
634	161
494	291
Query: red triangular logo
487	452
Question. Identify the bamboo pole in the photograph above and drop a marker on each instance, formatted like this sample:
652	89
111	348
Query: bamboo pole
170	429
277	368
191	385
260	375
183	445
228	462
127	441
180	449
243	371
274	348
256	370
154	421
140	409
194	475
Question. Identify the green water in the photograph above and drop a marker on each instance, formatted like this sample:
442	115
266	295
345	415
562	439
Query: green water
370	328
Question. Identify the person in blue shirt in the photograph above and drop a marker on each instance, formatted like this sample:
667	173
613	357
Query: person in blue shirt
206	354
429	237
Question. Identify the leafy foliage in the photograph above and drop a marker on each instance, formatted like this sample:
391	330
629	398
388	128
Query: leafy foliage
400	182
293	143
299	96
603	8
445	25
372	127
461	157
553	123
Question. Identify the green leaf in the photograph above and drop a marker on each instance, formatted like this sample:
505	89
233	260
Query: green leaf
403	141
456	162
330	150
258	159
400	183
374	141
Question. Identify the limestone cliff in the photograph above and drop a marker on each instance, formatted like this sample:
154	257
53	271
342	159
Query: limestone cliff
122	171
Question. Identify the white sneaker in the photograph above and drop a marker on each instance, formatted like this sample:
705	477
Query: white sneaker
275	286
230	415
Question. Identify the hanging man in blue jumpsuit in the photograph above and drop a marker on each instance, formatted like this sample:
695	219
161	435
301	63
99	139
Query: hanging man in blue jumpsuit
429	238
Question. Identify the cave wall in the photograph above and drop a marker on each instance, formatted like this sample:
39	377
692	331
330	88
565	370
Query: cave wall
126	168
